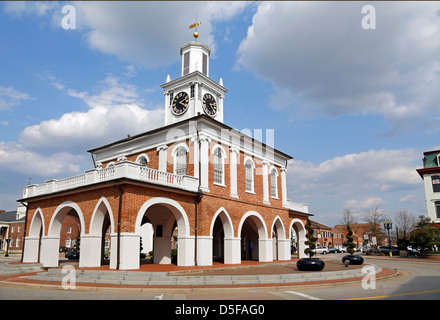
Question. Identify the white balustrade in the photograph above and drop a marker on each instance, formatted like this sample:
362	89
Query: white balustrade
123	169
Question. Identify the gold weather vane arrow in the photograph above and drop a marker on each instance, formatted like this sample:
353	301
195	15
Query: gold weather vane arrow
194	25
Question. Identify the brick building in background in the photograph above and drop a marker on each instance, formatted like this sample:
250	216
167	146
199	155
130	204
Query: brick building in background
225	191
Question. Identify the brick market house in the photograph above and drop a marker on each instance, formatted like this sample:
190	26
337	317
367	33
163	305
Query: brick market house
224	191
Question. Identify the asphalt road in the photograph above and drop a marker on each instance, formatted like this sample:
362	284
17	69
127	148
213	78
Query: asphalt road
419	280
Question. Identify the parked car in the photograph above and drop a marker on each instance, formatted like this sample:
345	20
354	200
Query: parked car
334	250
387	249
72	255
322	250
343	249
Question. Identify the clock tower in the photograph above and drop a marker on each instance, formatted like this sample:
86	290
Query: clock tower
194	92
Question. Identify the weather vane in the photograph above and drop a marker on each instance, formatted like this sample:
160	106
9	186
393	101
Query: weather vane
194	25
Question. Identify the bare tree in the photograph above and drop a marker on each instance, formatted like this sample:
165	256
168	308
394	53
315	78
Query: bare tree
375	217
405	223
348	217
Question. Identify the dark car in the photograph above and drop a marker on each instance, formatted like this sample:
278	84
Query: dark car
387	249
72	255
334	250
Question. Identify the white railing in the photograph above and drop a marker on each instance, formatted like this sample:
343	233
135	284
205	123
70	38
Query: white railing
124	169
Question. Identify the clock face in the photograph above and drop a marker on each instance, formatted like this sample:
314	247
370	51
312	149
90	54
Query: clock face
209	104
180	103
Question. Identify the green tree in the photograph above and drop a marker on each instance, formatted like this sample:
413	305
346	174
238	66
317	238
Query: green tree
350	244
311	240
77	243
425	234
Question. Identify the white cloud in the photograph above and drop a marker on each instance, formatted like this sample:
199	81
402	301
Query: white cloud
9	97
113	113
22	8
142	33
318	55
16	158
355	181
147	33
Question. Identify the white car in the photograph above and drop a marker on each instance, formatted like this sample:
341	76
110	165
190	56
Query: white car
323	250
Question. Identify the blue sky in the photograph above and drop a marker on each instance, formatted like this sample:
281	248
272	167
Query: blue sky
355	107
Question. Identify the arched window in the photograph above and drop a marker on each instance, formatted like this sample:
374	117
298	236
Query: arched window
180	163
249	175
273	183
218	166
143	161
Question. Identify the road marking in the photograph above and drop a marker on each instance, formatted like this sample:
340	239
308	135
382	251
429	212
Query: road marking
393	295
303	295
158	297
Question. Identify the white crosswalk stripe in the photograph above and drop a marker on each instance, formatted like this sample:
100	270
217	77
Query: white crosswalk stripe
303	295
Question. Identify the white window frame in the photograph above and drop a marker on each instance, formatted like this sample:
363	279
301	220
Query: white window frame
174	155
223	159
248	160
273	169
139	158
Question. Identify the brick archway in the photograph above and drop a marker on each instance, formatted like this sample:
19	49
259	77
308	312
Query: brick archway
299	228
162	242
51	242
92	243
32	248
222	235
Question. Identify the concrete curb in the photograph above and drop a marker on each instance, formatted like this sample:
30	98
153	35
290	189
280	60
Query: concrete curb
166	279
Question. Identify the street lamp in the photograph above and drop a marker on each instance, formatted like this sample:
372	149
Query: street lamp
388	225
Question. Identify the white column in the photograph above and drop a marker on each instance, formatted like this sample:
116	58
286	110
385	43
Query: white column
162	157
232	251
196	156
233	174
301	248
167	106
265	182
221	108
204	251
50	251
204	162
185	251
283	186
129	251
284	249
113	250
90	251
162	250
265	250
31	249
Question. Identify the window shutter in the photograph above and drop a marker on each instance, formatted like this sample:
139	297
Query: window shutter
186	63
205	65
